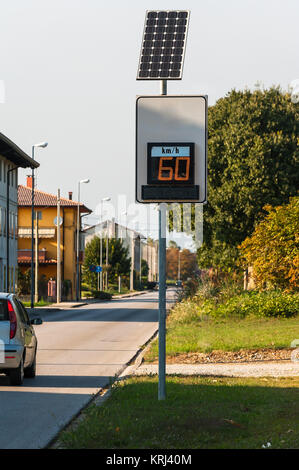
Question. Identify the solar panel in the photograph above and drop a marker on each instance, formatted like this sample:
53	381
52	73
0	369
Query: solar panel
163	45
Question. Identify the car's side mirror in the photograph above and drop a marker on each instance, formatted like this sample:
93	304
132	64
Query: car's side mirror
36	321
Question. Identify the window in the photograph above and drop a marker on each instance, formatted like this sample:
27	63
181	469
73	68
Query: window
4	172
21	311
3	310
4	278
0	170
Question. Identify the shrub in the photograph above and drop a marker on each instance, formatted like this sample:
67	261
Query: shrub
273	248
151	285
260	304
98	294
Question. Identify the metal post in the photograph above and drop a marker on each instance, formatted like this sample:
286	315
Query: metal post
107	254
58	290
162	289
101	247
162	301
36	259
78	241
132	263
179	265
32	233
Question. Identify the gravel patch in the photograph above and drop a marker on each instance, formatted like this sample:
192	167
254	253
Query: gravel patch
286	369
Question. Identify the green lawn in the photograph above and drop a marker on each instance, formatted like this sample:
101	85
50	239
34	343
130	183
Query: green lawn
227	334
41	303
198	413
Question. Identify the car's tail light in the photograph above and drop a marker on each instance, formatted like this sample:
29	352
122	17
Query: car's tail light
12	319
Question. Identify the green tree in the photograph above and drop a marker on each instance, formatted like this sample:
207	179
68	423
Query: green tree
119	262
273	248
253	161
144	268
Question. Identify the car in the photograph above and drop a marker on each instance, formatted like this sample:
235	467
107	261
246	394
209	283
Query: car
18	342
157	286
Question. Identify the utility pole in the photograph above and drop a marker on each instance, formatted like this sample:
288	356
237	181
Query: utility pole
132	263
36	259
58	290
107	253
179	265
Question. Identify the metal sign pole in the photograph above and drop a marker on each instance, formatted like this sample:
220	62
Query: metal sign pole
162	290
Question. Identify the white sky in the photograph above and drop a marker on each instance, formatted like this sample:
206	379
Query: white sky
69	68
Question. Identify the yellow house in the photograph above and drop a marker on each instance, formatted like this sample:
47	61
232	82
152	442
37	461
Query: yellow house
45	207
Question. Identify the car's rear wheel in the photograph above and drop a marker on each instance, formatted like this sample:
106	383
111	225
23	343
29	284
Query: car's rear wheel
30	372
17	375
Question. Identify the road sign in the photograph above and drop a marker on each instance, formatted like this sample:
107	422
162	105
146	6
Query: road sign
171	149
95	269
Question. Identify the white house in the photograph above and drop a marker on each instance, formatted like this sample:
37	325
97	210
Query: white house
138	246
11	158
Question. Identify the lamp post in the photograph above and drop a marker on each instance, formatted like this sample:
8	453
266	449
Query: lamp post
40	145
78	236
179	264
104	199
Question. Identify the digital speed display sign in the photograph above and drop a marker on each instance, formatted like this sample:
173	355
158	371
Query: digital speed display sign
170	171
171	149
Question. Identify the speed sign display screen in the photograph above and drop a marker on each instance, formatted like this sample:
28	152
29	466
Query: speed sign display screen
170	163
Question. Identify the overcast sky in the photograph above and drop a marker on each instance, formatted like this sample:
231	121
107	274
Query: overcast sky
69	68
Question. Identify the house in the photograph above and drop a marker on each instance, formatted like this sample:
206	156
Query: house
11	158
135	242
45	206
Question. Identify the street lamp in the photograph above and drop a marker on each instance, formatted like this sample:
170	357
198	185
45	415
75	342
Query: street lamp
104	199
179	264
78	235
40	145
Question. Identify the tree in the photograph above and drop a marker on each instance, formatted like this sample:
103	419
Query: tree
273	248
144	268
253	161
188	263
119	262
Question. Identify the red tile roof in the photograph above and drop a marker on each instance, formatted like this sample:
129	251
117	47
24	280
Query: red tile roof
42	199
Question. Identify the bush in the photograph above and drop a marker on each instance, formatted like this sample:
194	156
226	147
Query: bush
97	294
151	285
273	249
260	304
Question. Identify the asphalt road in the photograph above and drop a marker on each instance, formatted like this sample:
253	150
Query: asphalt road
79	351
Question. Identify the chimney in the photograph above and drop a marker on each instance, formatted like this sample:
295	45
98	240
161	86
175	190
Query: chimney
70	195
29	182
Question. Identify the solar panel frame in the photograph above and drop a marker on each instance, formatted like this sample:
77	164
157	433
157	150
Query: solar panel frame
160	16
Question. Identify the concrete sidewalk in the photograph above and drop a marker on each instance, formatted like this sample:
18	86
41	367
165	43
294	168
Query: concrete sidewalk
68	305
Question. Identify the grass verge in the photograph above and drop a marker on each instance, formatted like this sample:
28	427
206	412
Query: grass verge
228	413
226	334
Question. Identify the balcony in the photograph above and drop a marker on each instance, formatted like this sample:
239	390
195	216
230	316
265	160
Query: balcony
24	257
43	232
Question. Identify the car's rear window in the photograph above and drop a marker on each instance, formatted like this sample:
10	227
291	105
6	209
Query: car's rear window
3	310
